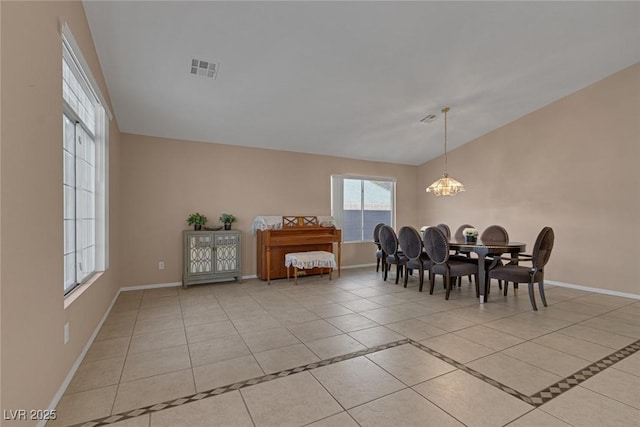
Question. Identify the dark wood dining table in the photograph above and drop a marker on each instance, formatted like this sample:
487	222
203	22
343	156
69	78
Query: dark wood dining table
483	250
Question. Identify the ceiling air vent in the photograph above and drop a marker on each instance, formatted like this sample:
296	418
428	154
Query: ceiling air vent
429	118
204	68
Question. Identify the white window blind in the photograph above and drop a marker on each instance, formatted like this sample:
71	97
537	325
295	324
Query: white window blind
359	203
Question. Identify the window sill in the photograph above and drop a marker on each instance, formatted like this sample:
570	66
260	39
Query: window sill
75	294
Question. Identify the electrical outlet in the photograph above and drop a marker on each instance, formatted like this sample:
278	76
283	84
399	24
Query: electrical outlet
161	265
66	332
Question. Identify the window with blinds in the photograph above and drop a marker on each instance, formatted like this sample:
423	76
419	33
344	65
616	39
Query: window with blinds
359	203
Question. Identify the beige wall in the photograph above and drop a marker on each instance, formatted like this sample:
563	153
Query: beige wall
572	165
35	361
552	167
166	180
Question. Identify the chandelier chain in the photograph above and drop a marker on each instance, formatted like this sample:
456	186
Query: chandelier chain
445	110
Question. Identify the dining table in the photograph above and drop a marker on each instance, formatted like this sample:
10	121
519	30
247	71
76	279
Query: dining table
483	250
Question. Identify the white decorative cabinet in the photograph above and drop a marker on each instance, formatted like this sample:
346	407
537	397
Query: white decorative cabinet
211	256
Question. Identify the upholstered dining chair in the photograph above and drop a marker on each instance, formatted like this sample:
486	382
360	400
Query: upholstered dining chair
524	274
411	245
436	245
445	230
459	237
494	234
447	233
393	255
376	240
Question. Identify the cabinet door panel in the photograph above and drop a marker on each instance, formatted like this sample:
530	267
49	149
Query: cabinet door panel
226	253
200	256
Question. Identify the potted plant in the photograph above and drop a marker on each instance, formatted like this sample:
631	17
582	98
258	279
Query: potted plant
227	220
197	220
470	235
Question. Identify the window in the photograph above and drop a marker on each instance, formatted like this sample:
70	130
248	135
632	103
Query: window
84	155
358	204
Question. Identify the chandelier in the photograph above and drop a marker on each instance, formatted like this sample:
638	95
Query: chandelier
445	186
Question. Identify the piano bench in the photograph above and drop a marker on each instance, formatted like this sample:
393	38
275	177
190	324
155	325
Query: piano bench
311	259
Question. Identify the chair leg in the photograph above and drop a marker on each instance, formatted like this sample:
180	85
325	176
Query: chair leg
477	286
385	270
406	277
541	289
377	264
398	273
531	297
421	278
448	285
432	279
506	288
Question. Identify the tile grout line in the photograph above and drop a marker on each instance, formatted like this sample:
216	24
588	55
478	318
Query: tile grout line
104	421
285	293
535	400
472	372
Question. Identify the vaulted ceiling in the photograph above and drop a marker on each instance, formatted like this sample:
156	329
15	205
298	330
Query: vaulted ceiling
351	79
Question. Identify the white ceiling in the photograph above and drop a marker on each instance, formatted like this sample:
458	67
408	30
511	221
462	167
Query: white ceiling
351	79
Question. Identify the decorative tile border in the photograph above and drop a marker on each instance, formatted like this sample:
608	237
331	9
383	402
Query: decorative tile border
473	372
236	386
537	399
543	396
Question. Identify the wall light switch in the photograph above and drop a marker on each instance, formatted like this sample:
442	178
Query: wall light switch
66	332
161	265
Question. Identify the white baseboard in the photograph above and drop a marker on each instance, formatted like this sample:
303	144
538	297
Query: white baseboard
171	284
595	290
79	359
151	286
357	266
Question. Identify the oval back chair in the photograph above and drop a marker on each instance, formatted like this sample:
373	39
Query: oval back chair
494	234
389	244
491	235
376	240
445	230
522	274
411	245
437	246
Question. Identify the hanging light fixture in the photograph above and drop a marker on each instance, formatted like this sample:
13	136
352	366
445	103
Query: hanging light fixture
445	186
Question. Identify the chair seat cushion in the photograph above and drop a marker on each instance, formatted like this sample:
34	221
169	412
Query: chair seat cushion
514	273
422	262
458	268
397	259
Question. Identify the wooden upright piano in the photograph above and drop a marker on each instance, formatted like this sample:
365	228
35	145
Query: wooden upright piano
273	245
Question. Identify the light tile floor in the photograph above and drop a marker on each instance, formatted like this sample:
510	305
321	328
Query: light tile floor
365	352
